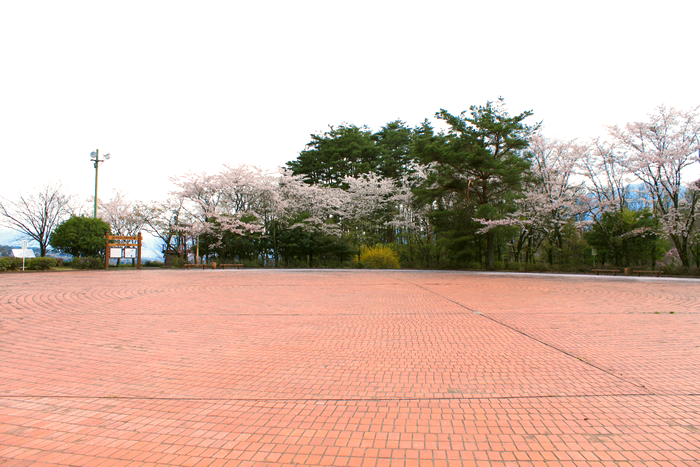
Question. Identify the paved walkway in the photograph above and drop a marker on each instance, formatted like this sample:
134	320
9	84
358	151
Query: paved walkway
359	368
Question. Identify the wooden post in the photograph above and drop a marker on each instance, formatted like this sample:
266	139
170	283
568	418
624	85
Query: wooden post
138	263
106	250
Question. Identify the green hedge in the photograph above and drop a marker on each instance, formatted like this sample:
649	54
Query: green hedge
37	264
41	264
10	264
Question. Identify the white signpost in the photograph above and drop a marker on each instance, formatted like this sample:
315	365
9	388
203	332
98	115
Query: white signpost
23	252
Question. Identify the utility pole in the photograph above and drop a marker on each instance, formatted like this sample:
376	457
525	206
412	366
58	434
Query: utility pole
95	157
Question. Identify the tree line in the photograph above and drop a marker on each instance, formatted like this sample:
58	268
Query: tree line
478	189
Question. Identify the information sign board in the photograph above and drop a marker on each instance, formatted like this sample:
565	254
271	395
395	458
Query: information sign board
124	246
20	253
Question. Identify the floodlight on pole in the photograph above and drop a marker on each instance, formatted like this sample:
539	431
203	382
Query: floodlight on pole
95	158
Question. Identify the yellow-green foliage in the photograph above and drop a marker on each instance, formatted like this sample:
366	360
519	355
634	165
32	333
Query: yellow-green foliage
378	257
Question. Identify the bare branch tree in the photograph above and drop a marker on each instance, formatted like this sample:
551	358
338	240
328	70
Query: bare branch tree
37	214
162	219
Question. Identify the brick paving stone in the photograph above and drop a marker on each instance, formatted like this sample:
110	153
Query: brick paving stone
283	367
617	312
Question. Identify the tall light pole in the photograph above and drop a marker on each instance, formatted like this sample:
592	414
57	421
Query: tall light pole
95	158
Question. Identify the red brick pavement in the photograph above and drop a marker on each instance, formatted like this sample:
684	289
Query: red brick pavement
378	368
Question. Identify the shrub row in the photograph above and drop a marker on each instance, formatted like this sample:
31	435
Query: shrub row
87	262
44	264
37	264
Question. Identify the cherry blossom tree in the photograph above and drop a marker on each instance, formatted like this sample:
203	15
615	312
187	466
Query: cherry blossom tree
121	214
604	167
614	221
307	219
411	217
550	198
315	208
225	202
368	207
692	195
658	152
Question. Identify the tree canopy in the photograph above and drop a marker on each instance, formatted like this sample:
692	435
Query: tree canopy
476	189
482	159
81	236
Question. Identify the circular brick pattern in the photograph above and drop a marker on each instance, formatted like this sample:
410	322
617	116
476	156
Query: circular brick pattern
347	368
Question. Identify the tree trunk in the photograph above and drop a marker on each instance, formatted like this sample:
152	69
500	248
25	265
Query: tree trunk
490	250
528	251
499	253
682	247
275	246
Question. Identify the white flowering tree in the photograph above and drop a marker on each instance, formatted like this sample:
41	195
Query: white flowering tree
121	214
307	217
411	218
605	170
550	198
621	227
227	202
658	153
368	208
315	208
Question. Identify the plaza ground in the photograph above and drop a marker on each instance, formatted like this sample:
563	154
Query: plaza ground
358	368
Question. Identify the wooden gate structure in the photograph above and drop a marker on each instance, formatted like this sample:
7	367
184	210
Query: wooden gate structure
124	246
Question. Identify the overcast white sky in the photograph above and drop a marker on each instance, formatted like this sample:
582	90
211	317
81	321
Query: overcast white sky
168	87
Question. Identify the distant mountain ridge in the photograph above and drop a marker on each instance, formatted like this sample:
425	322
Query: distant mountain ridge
10	239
